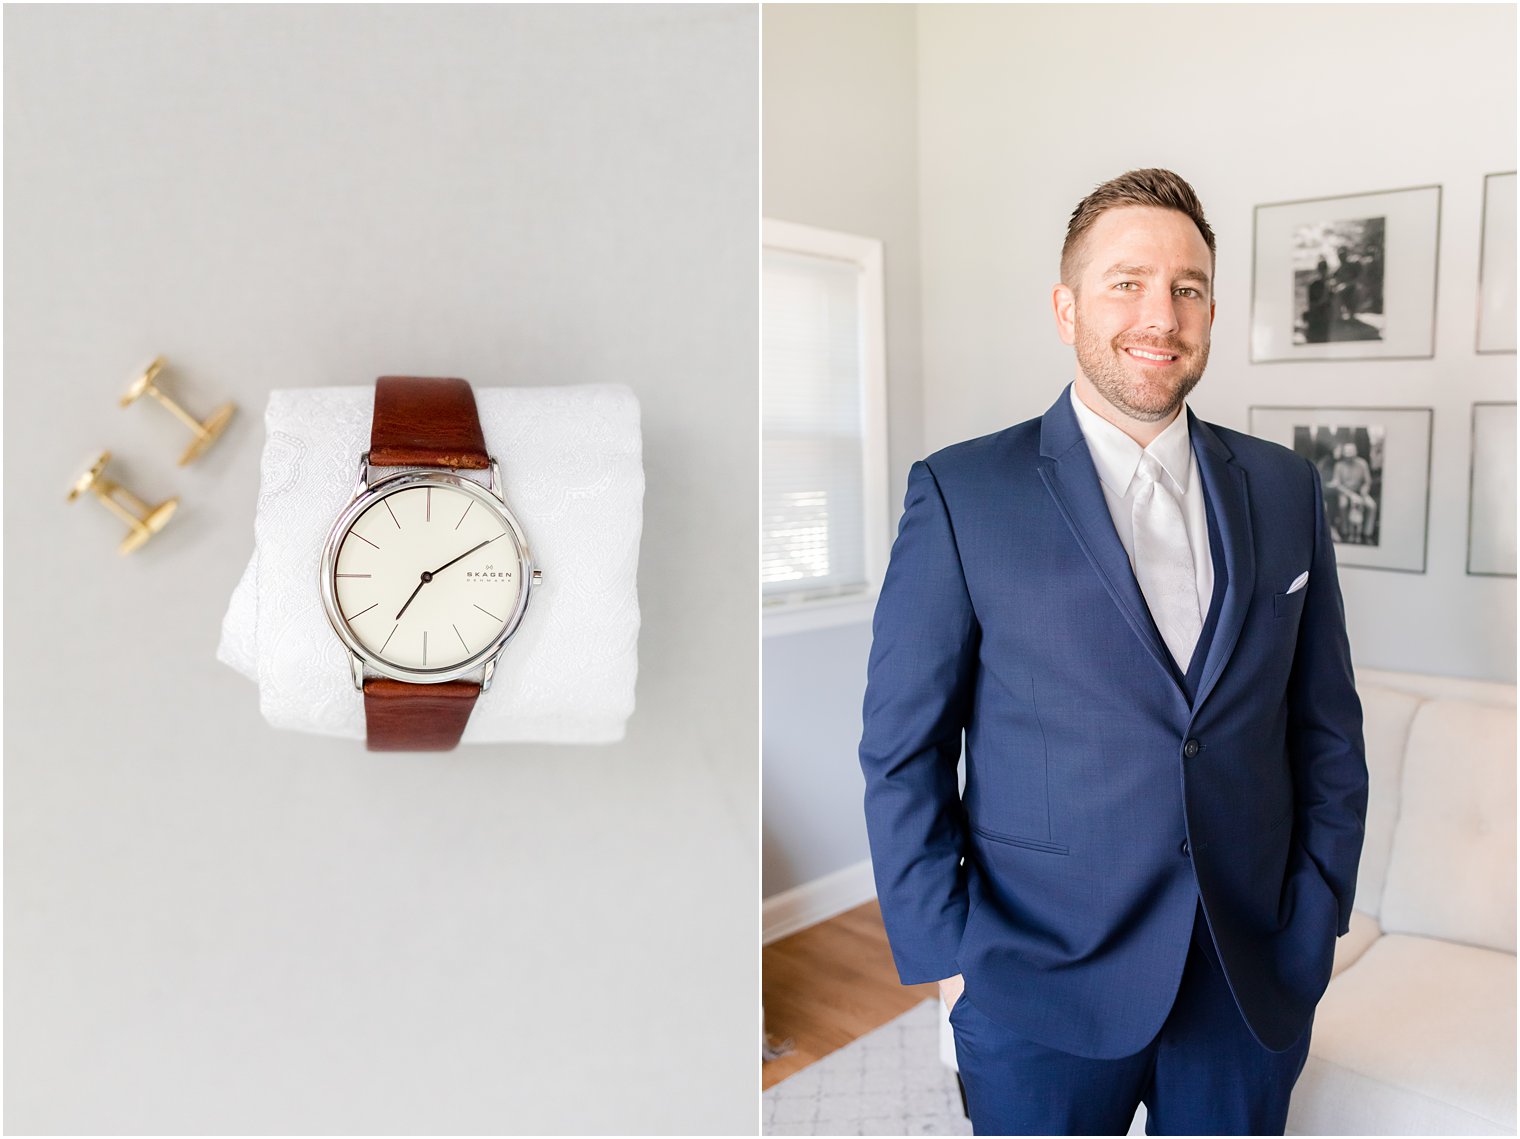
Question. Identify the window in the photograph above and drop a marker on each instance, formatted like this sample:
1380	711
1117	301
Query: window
823	435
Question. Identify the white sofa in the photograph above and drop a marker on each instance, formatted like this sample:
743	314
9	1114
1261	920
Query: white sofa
1416	1034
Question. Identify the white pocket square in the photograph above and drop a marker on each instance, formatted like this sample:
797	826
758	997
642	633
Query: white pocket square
1299	582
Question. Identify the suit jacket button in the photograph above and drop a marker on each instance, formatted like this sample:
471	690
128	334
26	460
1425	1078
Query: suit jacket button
1190	749
1184	848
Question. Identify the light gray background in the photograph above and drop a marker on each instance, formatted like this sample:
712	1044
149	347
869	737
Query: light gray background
214	927
963	135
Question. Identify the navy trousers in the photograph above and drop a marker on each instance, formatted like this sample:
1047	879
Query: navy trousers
1203	1074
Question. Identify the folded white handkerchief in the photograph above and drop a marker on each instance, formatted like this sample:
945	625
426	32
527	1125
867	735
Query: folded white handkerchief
571	465
1299	582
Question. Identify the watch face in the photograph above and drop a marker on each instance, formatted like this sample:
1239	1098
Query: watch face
427	577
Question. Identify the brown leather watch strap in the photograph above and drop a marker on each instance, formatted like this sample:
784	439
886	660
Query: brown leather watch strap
417	717
421	421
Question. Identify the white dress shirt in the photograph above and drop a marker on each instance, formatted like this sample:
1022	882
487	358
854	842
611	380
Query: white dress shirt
1117	458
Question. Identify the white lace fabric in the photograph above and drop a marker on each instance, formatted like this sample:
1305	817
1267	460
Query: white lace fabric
572	467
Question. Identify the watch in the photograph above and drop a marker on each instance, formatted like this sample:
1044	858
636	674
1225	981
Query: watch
425	574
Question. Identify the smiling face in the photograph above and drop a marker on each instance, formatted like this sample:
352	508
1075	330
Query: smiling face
1140	310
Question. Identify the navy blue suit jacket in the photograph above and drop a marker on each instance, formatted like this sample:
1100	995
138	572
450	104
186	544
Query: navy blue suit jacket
1100	802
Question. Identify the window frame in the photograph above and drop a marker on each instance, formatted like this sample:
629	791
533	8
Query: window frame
799	614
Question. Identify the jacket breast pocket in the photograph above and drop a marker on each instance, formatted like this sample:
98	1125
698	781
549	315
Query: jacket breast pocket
1288	605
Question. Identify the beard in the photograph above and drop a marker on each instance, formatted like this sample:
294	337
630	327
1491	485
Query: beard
1140	391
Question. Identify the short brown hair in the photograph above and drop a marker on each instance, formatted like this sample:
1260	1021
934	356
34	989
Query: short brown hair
1149	187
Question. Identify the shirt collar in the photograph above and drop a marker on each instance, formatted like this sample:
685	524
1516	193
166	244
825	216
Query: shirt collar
1117	456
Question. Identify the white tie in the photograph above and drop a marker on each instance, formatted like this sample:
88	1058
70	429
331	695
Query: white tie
1164	562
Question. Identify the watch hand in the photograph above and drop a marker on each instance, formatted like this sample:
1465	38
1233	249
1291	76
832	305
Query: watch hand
461	557
426	577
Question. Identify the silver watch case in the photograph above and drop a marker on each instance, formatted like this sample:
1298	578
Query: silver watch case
365	495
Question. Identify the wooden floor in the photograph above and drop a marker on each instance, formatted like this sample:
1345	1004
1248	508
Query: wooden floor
828	985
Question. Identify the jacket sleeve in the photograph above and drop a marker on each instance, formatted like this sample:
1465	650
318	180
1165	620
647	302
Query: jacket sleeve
918	699
1325	744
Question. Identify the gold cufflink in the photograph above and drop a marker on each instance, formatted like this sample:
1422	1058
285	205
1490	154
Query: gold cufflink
207	431
144	521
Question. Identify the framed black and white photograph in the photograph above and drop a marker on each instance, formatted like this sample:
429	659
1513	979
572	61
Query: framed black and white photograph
1491	503
1374	466
1496	266
1338	280
1346	278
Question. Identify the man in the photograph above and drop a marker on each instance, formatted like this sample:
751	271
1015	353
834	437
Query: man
1351	480
1344	284
1132	618
1317	314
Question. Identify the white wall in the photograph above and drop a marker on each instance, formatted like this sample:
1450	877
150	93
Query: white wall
1024	108
840	151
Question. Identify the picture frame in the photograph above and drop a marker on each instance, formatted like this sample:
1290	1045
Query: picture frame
1491	492
1496	267
1351	277
1374	465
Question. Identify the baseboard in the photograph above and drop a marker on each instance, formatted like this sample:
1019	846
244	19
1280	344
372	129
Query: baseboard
816	901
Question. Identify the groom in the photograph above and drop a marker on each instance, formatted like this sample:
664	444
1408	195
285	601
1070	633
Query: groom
1131	619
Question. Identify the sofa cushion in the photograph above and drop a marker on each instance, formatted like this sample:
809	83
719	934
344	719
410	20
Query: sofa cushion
1452	872
1416	1038
1386	716
1429	687
1359	938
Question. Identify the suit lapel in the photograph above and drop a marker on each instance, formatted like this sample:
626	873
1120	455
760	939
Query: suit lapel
1068	472
1225	484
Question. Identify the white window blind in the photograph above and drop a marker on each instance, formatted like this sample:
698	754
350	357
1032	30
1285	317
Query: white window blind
817	375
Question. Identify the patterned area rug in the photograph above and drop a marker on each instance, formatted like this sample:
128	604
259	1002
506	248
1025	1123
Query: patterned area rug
889	1082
